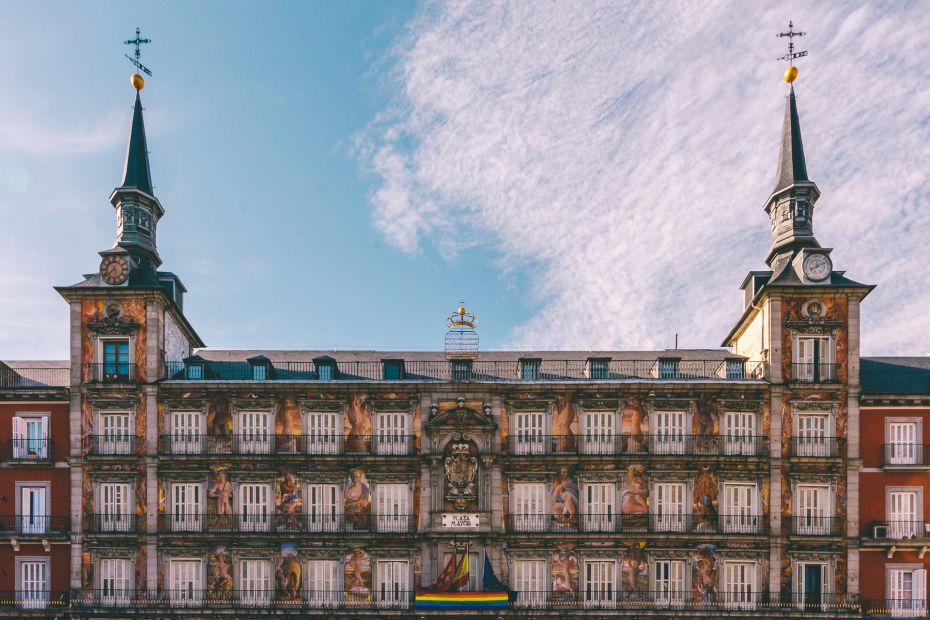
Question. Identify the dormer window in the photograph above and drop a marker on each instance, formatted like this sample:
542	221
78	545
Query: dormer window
734	369
598	367
261	368
326	369
529	369
393	370
461	370
668	367
194	368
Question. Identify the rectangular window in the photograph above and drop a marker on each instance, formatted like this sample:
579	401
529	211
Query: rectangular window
254	508
323	508
186	583
739	585
115	433
393	370
598	369
812	586
739	433
813	439
254	435
461	370
529	579
34	510
186	432
736	370
392	586
528	507
902	514
740	514
907	592
393	433
814	513
902	446
255	582
598	515
33	584
115	575
669	435
323	583
114	513
259	372
599	584
195	372
668	512
474	569
598	436
392	505
669	582
324	372
186	507
527	437
813	361
529	370
116	362
30	437
668	369
323	432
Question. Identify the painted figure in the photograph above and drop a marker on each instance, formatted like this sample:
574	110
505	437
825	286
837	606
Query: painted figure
634	496
634	424
357	575
287	576
219	568
220	490
635	573
287	426
563	499
705	573
358	425
287	501
564	574
705	499
706	419
357	499
564	425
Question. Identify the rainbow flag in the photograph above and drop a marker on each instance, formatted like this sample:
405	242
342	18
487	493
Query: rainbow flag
462	600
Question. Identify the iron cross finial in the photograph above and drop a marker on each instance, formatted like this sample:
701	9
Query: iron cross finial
791	34
138	42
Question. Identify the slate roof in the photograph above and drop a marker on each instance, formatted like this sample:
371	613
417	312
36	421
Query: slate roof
791	165
136	173
34	373
901	376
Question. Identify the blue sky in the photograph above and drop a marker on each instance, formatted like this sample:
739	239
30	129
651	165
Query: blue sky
339	174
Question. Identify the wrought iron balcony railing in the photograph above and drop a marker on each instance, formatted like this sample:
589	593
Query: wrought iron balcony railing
112	372
524	443
914	607
38	598
313	523
816	372
386	444
112	445
115	523
813	525
897	530
197	597
473	371
817	446
905	455
26	449
630	523
37	525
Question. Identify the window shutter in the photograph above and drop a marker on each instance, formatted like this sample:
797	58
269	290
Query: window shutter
920	589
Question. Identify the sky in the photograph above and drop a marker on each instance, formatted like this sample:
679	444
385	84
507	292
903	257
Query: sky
584	175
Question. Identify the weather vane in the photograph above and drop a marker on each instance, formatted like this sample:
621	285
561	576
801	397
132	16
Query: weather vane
138	41
791	73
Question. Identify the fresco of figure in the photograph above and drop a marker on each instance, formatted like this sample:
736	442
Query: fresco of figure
357	499
705	500
634	426
219	418
704	574
220	490
564	425
358	425
563	499
287	500
357	577
634	496
287	426
705	424
219	574
564	574
635	573
287	576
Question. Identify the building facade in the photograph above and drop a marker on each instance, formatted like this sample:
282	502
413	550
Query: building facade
704	482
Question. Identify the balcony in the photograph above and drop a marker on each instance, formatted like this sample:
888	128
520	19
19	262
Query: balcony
26	450
36	599
814	373
111	373
817	446
639	523
34	525
269	444
243	599
898	530
811	525
905	456
477	371
112	445
314	523
896	607
115	523
669	444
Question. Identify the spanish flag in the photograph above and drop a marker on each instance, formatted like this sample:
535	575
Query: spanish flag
460	580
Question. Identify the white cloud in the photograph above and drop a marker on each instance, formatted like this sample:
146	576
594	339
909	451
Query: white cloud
628	150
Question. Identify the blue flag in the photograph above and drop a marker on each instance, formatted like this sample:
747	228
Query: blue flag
490	581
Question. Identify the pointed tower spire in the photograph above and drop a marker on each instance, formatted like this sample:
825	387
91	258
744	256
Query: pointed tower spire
791	165
136	173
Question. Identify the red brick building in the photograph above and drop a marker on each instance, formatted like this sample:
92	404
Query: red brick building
35	487
895	507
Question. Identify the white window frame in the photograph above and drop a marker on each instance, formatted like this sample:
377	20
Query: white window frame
905	528
739	438
392	584
669	431
22	443
742	594
899	605
529	506
187	506
115	516
33	598
743	515
323	432
323	507
110	442
530	578
392	430
99	357
662	513
27	522
254	516
598	432
255	584
324	583
187	440
813	445
392	504
114	581
254	439
529	432
191	595
599	506
805	372
903	453
813	524
599	589
825	581
670	581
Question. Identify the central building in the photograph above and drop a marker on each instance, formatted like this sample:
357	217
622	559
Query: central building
630	483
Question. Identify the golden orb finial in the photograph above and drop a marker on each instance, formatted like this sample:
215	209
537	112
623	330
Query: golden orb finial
461	311
137	81
791	74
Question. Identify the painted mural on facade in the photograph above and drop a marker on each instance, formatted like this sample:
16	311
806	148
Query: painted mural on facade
287	500
219	574
564	498
706	500
357	499
288	573
564	570
220	496
705	573
565	425
357	427
634	425
357	575
634	572
634	496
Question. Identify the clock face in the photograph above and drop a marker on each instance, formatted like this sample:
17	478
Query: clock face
114	269
817	266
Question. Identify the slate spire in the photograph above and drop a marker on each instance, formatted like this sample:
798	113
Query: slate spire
791	165
136	174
